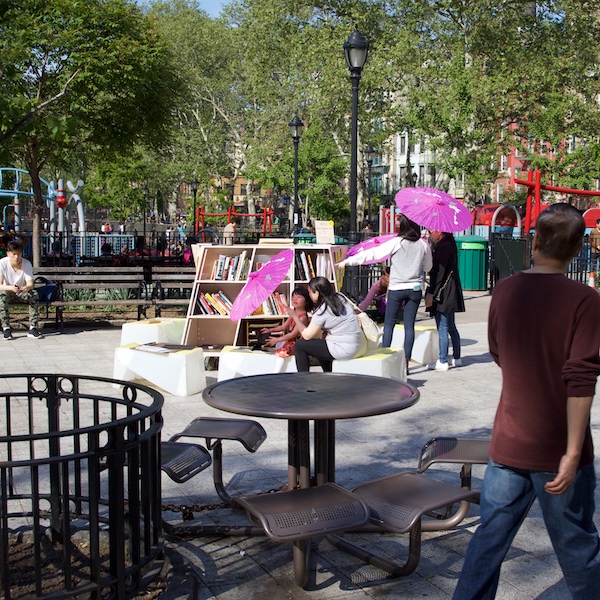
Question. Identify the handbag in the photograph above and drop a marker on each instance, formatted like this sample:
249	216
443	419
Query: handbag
369	328
48	292
440	294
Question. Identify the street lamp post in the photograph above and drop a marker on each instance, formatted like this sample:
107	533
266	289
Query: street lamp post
145	193
369	153
194	185
296	126
415	178
356	49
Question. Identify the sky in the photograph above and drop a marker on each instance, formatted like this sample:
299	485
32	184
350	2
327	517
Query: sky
211	7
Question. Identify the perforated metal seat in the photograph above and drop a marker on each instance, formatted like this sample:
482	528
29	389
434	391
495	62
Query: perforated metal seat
400	502
306	513
182	461
214	430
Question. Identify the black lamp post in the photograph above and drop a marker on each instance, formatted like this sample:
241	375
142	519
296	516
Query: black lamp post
145	193
369	153
194	185
415	178
296	126
356	49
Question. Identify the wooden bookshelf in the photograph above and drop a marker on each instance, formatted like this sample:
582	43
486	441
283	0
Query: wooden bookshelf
223	272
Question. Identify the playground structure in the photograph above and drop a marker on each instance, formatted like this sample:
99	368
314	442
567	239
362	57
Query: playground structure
266	216
55	198
534	204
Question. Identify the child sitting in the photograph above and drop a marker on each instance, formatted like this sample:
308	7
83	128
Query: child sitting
285	343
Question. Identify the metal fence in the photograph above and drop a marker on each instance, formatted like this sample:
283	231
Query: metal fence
80	494
509	255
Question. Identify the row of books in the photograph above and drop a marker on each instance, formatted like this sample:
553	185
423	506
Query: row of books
275	304
308	266
231	268
215	303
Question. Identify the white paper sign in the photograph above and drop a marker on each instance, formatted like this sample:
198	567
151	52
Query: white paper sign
324	232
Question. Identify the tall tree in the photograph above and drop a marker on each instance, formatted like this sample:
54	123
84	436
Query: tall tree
91	76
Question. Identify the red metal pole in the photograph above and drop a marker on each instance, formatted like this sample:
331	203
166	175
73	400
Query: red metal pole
538	194
529	207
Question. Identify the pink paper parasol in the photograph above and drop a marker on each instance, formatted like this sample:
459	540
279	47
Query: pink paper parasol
433	209
370	243
261	284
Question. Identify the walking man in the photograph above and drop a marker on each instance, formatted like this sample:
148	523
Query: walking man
544	333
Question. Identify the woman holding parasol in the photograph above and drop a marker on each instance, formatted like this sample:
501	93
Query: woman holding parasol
410	259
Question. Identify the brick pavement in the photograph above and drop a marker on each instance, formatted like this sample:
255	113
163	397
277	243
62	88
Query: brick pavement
459	402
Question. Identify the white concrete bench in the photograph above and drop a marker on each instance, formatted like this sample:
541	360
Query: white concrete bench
161	330
426	347
180	372
381	362
240	361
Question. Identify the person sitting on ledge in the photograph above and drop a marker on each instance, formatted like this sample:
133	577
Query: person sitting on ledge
332	314
16	285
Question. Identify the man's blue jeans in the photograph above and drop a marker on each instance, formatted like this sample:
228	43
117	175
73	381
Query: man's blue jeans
446	325
395	299
506	496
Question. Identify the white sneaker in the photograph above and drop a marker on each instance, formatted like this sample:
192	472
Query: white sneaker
457	362
438	366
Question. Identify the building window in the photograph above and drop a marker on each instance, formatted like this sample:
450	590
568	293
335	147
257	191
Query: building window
500	190
503	162
402	144
421	175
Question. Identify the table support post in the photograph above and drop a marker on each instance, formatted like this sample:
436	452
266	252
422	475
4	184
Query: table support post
292	454
325	451
304	454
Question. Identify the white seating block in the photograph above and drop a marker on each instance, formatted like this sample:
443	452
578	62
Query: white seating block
180	373
426	347
161	330
240	361
380	362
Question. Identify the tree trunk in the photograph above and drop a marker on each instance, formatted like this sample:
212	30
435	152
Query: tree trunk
38	202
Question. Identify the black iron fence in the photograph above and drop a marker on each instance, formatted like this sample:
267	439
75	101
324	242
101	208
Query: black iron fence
510	255
80	494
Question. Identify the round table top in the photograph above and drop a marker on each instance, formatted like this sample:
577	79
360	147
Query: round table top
311	395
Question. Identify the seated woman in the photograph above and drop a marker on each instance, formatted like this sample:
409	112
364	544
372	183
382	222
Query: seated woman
285	344
335	316
378	295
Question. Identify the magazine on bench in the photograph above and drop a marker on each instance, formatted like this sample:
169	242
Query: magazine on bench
162	347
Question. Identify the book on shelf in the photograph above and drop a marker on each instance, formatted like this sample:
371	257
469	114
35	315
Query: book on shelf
305	271
310	266
220	267
240	274
233	268
204	304
214	304
222	297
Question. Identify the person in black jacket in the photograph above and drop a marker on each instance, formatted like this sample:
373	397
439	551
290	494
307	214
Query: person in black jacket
444	297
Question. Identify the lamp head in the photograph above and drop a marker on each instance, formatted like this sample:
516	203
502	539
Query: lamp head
296	126
356	49
194	184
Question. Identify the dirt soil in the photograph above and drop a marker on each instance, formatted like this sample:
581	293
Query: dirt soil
21	565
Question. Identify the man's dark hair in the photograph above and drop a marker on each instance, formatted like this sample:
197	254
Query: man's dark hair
14	247
559	231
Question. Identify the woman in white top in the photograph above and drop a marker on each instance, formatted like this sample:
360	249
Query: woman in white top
335	316
410	260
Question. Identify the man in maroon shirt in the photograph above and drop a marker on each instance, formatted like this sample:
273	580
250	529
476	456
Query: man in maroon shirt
544	333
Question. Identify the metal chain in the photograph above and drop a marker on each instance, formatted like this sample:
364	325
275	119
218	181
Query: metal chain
187	511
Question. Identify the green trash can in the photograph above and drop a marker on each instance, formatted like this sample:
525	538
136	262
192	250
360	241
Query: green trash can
305	238
473	262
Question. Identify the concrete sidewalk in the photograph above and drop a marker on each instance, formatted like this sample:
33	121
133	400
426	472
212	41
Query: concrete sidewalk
459	402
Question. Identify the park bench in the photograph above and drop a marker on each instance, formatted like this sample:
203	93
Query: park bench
172	286
96	287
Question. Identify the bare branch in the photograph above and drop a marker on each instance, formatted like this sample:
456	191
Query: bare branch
31	114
